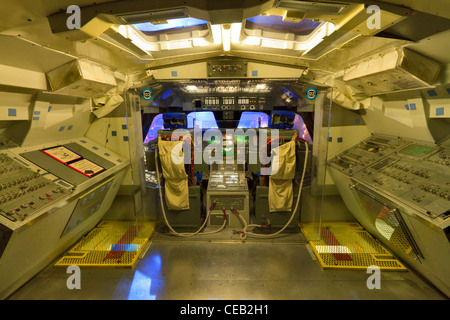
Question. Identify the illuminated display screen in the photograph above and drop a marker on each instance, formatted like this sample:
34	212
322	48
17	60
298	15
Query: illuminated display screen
205	119
276	23
241	140
255	119
166	94
416	150
173	24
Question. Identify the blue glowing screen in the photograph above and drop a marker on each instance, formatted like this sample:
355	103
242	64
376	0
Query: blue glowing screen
205	119
276	23
157	124
253	119
149	27
289	93
166	94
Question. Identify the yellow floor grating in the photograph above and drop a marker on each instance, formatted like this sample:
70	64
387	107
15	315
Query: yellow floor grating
110	244
349	246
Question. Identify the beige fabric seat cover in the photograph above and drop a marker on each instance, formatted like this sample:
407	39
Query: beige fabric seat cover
281	193
176	180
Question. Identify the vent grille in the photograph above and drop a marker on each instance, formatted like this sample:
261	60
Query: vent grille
314	7
154	17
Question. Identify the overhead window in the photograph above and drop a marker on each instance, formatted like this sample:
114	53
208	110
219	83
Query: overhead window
169	26
171	34
276	24
272	32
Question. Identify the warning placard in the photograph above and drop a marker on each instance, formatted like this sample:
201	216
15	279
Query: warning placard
62	154
86	167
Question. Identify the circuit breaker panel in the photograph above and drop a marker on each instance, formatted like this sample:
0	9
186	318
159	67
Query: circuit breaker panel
50	195
24	191
399	190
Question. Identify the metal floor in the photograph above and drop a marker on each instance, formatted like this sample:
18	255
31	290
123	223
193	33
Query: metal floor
222	267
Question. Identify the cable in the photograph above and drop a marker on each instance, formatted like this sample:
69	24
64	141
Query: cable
185	234
223	225
244	233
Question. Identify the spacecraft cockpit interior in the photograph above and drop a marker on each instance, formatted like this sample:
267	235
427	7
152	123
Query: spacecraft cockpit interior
171	129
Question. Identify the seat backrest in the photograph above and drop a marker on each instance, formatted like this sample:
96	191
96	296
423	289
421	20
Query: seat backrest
282	119
174	120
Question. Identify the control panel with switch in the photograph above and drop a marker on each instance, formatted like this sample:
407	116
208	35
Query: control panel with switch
24	191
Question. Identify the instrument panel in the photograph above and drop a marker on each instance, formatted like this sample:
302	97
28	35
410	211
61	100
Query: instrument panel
24	191
234	103
413	173
37	180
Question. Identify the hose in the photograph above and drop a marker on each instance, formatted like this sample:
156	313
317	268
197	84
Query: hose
244	233
172	231
222	227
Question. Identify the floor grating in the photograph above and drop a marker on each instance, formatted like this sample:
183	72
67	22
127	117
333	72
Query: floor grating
110	244
348	246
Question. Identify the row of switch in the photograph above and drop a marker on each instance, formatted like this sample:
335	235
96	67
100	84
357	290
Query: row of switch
9	169
439	161
18	213
400	167
436	191
378	181
398	177
18	181
421	173
417	198
16	194
418	172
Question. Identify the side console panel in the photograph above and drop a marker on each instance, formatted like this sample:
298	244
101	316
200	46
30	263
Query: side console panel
399	190
47	203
